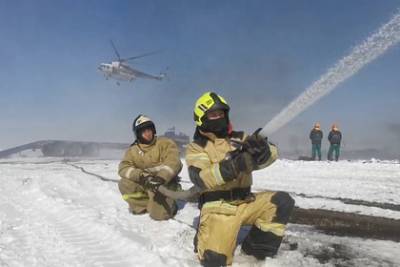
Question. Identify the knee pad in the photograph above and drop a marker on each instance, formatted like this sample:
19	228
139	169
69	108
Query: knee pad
285	204
261	244
213	259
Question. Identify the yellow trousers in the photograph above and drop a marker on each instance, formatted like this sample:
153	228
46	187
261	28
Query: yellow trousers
220	222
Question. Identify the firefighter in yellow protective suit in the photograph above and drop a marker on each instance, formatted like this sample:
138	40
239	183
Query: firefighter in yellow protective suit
220	161
151	161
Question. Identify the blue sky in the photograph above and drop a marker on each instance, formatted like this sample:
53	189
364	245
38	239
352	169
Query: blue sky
259	55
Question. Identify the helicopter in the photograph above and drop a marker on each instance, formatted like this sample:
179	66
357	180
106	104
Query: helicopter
121	71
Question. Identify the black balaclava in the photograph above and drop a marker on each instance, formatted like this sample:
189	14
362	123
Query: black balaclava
219	127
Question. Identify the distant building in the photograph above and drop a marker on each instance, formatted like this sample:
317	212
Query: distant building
181	139
61	148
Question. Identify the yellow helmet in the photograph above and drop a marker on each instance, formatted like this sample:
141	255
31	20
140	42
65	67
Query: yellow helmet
208	102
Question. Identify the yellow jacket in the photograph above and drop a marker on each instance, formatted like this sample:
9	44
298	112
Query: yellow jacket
160	158
203	157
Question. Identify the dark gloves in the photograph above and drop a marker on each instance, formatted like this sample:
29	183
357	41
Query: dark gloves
257	146
243	162
254	151
151	183
236	162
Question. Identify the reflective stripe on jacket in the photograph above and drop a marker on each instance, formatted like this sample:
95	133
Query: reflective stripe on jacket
160	158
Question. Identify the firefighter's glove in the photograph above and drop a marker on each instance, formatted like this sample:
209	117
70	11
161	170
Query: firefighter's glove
243	162
234	163
143	178
257	146
151	183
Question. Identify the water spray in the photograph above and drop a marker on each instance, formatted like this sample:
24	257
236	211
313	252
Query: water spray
374	46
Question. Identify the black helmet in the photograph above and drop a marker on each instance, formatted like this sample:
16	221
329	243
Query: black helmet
140	123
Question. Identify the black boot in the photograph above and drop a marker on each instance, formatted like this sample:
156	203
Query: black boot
213	259
261	244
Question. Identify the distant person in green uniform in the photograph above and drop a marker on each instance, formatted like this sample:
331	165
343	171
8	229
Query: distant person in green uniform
335	137
316	138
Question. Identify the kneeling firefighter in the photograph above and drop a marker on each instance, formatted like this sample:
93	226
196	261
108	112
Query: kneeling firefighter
151	161
220	162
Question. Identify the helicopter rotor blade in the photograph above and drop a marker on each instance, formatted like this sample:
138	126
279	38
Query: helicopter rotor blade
140	56
115	50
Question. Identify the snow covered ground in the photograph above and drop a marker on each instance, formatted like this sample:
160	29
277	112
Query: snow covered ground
53	214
